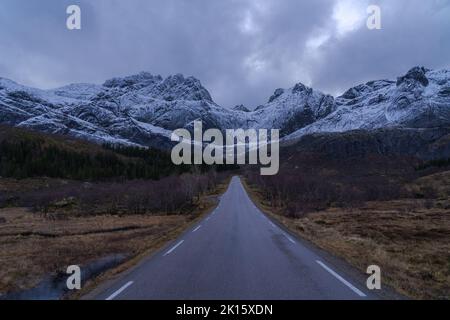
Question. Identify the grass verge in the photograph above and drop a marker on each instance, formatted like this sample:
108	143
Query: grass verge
409	238
33	246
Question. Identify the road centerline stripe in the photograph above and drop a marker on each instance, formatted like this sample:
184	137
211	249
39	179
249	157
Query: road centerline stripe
174	247
116	293
348	284
197	228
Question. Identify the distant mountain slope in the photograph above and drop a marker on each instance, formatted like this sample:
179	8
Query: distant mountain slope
143	109
292	109
420	99
140	109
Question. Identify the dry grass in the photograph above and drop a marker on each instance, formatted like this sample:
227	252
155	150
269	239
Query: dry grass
32	246
409	238
29	184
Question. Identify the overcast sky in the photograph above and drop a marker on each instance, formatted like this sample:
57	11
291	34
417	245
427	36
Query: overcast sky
241	50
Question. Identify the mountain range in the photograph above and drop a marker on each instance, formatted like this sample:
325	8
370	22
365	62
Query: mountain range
144	109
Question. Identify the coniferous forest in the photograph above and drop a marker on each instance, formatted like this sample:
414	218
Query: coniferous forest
29	154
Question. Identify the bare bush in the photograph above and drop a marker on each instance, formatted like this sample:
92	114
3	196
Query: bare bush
316	184
169	195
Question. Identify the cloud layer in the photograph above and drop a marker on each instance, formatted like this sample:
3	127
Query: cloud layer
241	50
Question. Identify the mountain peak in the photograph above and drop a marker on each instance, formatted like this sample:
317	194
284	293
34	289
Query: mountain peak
278	92
416	74
174	87
179	87
141	79
297	89
300	87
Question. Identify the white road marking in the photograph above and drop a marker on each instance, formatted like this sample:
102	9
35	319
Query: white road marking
271	223
289	238
174	247
197	228
115	294
348	284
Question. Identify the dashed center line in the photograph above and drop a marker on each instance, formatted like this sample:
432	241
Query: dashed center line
115	294
197	228
348	284
173	248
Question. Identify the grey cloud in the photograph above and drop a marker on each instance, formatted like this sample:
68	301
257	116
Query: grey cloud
241	50
413	33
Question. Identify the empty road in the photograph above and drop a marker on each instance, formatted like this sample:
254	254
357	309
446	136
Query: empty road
236	252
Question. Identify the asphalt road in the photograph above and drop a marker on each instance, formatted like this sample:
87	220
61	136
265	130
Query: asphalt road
236	252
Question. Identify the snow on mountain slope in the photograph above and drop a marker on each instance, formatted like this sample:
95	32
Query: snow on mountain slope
140	109
419	99
292	109
144	109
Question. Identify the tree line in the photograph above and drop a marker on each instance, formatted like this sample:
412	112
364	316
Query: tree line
37	156
26	158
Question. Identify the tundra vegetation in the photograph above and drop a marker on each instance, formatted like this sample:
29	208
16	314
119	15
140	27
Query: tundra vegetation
390	211
69	202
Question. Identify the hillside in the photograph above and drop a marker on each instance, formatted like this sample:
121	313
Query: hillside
25	154
143	109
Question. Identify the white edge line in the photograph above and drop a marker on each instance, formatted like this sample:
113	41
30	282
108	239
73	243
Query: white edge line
115	294
173	248
348	284
289	238
197	228
271	223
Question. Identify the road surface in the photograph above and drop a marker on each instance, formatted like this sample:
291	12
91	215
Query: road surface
236	252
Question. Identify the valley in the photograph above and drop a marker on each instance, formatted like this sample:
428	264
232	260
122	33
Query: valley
86	174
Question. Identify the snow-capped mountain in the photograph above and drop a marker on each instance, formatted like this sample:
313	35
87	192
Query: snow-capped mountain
292	109
143	109
419	99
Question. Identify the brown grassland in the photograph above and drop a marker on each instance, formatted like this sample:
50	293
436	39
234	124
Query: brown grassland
34	245
408	238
